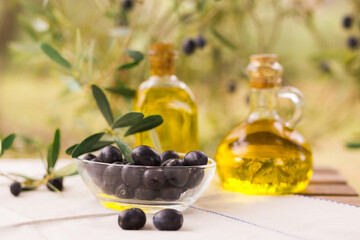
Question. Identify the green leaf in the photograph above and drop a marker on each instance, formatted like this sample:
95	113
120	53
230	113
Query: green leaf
97	146
101	144
7	143
87	145
28	188
124	91
222	39
71	149
102	104
53	151
128	65
125	149
353	145
48	158
145	124
128	119
68	170
54	55
136	55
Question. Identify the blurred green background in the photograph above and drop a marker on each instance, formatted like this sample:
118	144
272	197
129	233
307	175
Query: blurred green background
316	41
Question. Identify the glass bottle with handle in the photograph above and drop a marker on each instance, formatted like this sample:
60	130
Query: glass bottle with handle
264	154
164	94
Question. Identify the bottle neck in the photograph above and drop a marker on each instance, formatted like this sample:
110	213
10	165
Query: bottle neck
162	65
263	103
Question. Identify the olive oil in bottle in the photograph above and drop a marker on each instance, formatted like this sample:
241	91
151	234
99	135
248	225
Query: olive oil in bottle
264	154
164	94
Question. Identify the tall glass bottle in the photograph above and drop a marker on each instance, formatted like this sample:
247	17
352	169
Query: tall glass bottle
264	154
164	94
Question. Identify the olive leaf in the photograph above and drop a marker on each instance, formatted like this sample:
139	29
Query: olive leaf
48	158
6	143
54	55
353	145
97	146
222	39
127	65
86	145
121	90
102	104
68	170
147	123
101	144
125	149
135	55
53	151
26	188
128	119
70	149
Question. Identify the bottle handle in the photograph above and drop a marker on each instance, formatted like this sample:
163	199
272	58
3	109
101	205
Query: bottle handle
297	98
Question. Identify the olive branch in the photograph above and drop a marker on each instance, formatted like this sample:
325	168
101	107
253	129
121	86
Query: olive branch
135	122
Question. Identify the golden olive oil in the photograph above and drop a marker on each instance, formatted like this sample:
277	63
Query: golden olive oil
264	157
167	96
179	130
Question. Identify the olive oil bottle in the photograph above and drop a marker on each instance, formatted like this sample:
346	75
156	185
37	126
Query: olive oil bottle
264	154
164	94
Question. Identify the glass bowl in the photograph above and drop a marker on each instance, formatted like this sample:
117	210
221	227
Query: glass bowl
174	187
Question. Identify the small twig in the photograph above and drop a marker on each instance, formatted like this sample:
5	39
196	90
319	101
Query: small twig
8	177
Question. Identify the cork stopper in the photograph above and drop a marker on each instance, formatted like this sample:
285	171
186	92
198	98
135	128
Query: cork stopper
161	48
264	71
162	59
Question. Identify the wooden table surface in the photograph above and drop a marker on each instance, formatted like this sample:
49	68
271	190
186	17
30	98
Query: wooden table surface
328	183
